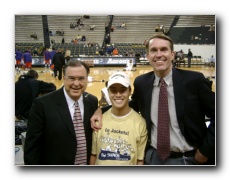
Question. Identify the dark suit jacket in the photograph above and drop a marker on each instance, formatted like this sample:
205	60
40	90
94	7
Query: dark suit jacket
50	138
26	90
193	100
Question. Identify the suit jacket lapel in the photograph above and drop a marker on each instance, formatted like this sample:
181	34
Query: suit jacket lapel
148	89
63	110
86	101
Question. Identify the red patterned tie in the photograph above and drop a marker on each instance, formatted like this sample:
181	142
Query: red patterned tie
163	140
81	154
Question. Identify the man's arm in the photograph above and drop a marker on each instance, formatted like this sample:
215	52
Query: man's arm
95	120
200	158
45	87
140	162
92	159
34	134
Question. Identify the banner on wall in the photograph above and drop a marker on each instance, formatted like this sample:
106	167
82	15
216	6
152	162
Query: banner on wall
98	61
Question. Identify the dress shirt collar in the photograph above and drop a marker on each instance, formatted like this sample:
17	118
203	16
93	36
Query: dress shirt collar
167	79
70	101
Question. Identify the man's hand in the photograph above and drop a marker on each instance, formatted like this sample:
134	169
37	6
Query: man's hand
95	120
200	158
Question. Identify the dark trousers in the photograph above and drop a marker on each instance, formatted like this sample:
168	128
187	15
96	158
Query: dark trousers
189	61
152	158
67	58
59	70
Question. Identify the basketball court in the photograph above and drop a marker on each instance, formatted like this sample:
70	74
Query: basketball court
103	73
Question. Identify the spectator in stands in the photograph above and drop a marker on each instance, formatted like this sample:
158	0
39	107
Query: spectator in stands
92	27
35	52
107	39
157	28
90	44
78	37
80	24
123	26
118	25
83	38
101	52
75	41
162	27
212	28
190	55
78	21
202	25
166	31
63	41
115	52
86	16
112	29
106	28
109	49
52	41
18	58
192	37
34	35
27	88
96	51
137	55
67	55
131	53
73	25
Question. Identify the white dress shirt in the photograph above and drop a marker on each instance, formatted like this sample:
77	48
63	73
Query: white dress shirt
71	104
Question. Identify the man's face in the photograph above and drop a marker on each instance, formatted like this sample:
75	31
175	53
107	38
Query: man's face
75	81
160	56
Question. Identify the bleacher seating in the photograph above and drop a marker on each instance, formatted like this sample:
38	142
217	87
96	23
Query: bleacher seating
138	29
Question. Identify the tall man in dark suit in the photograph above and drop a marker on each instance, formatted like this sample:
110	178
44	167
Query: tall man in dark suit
50	137
190	99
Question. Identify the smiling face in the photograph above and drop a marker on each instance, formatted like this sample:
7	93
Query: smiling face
75	81
160	56
119	97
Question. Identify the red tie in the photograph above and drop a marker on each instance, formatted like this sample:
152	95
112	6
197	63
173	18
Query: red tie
81	154
163	140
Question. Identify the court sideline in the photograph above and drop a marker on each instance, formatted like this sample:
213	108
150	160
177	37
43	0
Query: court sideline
103	73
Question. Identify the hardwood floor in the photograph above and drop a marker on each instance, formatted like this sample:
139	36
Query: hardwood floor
103	73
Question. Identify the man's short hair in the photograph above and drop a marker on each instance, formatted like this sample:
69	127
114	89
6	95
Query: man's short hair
32	73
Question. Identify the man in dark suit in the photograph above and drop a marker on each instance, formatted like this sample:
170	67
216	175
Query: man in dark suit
190	99
27	88
50	137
